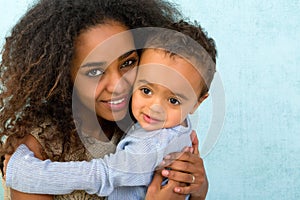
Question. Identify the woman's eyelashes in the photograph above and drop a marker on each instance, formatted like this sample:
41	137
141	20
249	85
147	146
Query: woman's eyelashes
129	63
95	72
124	66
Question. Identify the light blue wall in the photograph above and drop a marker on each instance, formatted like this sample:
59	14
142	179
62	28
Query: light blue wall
257	155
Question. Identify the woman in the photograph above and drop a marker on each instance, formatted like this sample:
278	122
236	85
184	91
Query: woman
40	65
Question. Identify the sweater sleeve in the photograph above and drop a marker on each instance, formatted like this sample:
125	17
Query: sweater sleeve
132	165
28	174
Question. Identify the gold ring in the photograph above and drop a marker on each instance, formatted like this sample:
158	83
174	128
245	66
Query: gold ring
193	178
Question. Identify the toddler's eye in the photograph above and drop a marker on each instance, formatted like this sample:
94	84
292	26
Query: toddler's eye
95	72
174	101
146	91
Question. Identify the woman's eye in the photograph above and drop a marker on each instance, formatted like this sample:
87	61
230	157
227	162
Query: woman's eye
146	91
129	63
95	72
174	101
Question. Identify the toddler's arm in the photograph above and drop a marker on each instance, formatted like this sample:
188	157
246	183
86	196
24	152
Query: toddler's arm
28	174
132	165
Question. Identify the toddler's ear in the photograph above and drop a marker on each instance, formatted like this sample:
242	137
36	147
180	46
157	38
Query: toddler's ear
200	100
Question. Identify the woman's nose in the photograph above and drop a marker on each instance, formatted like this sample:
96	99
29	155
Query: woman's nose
115	82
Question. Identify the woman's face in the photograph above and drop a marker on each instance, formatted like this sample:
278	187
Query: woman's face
104	69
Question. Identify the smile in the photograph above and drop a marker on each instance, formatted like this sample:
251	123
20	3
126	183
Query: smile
115	102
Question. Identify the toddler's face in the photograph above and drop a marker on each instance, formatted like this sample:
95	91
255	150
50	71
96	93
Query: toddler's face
166	90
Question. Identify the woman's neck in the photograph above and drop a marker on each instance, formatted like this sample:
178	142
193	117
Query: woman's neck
89	124
98	127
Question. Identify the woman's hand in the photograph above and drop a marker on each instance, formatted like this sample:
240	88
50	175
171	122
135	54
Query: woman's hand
156	191
187	167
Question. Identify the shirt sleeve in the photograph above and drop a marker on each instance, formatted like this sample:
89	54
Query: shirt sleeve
28	174
132	165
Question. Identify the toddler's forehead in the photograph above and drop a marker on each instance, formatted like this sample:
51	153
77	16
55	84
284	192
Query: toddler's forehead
166	76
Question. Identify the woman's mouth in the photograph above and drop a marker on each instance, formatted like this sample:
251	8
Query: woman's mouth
117	104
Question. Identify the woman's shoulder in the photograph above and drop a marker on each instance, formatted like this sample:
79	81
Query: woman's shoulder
47	137
35	146
58	145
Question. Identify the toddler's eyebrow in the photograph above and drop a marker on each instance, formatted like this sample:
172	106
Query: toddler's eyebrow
143	81
181	96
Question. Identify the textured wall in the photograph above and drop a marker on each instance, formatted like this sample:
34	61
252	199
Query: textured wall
257	155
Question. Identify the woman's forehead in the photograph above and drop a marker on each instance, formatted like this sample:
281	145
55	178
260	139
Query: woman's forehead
105	43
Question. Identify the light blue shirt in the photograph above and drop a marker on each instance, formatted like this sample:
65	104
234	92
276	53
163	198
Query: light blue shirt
124	173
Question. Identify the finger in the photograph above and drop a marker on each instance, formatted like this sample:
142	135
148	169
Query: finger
180	176
172	184
185	167
186	190
169	188
182	156
155	185
200	189
195	143
169	159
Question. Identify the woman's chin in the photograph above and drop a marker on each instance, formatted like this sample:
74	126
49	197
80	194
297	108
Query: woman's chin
115	116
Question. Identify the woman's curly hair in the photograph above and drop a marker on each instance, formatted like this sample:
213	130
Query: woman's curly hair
35	82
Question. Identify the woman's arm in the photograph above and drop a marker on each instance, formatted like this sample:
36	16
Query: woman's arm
35	147
16	195
184	166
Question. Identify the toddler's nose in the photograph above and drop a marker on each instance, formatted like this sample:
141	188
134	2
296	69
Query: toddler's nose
157	108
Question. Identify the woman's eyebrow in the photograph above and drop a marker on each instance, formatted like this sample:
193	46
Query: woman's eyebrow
101	64
125	55
93	64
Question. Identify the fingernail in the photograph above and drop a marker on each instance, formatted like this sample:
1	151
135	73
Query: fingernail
165	172
167	157
177	189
